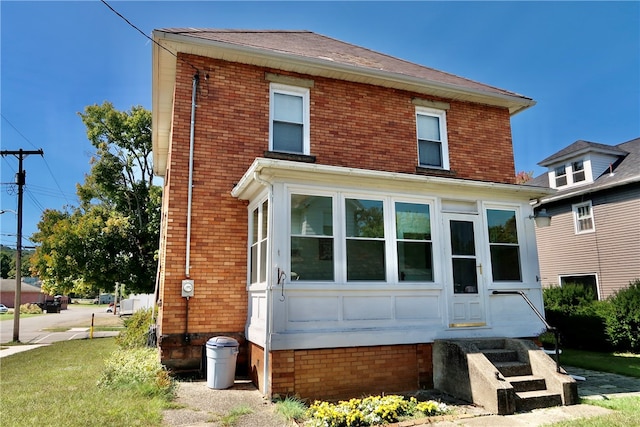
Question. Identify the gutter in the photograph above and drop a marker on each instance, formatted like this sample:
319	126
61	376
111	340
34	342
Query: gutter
587	190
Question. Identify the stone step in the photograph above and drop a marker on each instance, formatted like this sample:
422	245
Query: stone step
500	355
529	400
489	343
513	369
527	383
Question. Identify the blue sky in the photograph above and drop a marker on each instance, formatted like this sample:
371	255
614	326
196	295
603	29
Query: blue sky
579	60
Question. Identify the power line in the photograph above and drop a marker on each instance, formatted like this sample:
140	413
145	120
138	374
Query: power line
149	38
43	158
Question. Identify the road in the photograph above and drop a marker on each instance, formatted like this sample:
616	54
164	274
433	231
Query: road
48	328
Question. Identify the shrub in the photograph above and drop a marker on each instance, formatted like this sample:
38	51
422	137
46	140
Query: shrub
136	330
30	309
623	318
138	369
568	298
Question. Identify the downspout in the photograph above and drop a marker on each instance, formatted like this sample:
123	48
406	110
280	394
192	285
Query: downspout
196	79
269	289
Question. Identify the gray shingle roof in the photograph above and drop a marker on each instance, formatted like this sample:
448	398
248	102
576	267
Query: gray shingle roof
582	146
625	171
317	46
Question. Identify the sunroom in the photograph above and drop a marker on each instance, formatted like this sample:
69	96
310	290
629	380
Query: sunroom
343	257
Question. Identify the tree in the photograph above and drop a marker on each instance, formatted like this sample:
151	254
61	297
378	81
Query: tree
112	237
524	177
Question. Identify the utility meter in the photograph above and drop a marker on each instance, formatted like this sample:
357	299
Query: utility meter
187	288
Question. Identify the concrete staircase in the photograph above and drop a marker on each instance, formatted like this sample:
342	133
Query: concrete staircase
501	374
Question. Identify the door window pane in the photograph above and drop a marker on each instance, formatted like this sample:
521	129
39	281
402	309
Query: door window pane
462	238
465	279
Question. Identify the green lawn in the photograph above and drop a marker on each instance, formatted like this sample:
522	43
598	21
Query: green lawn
627	414
616	363
56	386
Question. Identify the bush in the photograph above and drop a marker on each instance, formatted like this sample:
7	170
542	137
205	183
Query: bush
30	309
623	318
136	330
138	369
575	312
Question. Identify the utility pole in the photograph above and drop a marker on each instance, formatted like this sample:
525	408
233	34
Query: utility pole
20	180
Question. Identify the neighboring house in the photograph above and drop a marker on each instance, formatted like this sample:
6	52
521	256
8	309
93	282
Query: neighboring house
334	209
594	237
29	294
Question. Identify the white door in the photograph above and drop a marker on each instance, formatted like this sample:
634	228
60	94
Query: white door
464	271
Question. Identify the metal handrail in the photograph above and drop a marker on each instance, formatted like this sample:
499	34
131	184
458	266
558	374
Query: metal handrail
549	328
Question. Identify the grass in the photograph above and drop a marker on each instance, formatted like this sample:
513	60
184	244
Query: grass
55	385
616	363
627	413
234	415
291	408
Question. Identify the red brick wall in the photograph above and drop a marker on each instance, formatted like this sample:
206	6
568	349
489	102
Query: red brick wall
355	125
342	373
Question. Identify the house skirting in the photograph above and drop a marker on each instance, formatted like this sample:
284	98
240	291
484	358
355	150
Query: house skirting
342	373
185	352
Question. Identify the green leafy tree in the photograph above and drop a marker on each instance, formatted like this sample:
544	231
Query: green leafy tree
5	264
112	237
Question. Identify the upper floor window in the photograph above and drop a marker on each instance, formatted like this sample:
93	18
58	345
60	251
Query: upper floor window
289	119
503	245
433	150
583	217
561	176
578	171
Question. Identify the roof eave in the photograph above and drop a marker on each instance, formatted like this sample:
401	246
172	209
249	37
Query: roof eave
587	189
263	170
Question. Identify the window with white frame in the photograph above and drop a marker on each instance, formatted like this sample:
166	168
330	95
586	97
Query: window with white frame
503	245
413	242
364	225
289	119
433	150
583	217
258	238
312	243
577	169
561	176
588	281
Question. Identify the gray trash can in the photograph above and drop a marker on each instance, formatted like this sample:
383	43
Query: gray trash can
222	353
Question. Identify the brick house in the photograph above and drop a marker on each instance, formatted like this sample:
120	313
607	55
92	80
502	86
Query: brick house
334	209
596	216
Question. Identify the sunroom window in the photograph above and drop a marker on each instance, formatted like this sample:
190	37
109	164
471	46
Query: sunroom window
365	240
258	239
503	245
312	237
414	245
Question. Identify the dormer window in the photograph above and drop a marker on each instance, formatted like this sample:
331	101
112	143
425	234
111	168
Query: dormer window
578	171
561	176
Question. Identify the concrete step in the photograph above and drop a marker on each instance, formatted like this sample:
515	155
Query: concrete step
500	355
527	383
529	400
489	343
513	369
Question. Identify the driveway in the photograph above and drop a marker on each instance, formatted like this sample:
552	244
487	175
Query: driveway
73	323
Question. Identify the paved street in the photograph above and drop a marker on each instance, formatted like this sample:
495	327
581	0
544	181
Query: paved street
47	328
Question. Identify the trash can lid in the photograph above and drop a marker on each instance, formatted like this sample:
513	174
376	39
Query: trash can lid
222	342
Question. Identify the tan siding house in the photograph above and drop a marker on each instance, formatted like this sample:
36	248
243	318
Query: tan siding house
594	237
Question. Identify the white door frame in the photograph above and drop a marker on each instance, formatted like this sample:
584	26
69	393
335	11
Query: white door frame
466	301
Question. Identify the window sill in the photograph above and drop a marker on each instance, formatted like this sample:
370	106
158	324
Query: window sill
421	170
290	156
